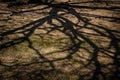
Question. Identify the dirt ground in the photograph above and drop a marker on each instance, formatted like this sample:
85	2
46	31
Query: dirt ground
77	40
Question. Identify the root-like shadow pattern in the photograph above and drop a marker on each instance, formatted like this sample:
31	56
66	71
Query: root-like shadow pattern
82	42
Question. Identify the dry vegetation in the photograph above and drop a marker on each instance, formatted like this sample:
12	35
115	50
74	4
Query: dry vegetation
75	41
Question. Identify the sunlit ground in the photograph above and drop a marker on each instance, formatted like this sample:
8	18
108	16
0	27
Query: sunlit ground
60	43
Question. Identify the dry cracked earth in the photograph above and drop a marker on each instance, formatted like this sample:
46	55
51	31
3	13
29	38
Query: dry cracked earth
78	40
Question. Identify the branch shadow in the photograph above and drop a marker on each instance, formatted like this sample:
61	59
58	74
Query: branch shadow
93	67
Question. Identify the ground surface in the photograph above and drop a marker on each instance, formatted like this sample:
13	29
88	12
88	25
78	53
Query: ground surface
60	42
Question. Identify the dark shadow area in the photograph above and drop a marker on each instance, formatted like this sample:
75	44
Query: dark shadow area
92	68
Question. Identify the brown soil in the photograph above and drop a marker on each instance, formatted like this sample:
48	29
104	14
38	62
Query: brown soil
75	41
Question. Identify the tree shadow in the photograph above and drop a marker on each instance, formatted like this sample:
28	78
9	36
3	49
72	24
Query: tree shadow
82	42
